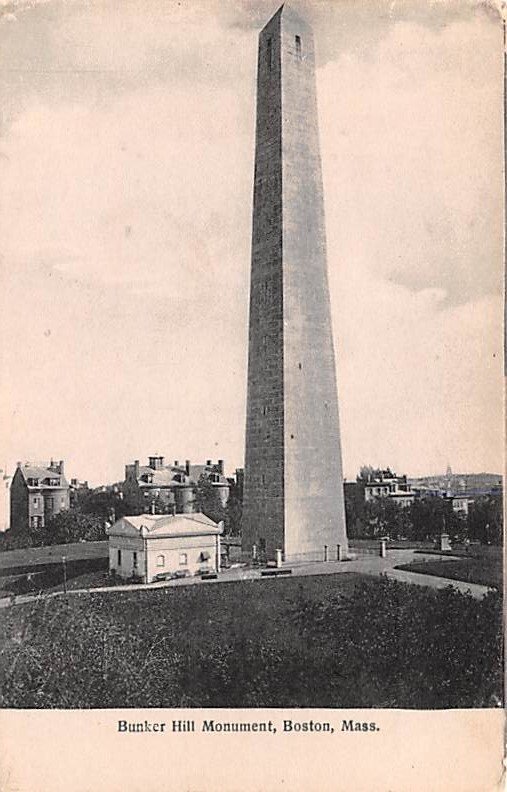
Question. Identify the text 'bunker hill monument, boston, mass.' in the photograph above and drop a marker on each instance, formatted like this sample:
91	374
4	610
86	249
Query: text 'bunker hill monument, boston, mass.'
293	490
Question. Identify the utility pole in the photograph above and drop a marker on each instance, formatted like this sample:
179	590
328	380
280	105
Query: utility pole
64	565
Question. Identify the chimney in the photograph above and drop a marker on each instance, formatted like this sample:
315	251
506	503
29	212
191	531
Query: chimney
176	463
208	463
187	466
221	466
60	467
136	468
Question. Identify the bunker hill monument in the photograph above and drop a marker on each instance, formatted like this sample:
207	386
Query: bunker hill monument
293	489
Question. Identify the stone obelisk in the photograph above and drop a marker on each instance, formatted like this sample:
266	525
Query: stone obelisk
293	488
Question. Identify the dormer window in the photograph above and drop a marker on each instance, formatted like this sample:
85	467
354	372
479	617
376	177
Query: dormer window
33	482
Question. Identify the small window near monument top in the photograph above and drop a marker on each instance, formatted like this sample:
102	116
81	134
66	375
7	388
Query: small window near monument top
269	54
298	46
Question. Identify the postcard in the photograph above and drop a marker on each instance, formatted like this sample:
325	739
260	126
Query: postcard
252	396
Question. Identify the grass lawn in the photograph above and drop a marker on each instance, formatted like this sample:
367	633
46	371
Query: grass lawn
34	569
51	554
325	641
478	564
487	572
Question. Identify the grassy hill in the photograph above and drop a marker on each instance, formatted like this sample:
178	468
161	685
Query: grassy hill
326	641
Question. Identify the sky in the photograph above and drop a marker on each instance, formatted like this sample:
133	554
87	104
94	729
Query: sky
126	171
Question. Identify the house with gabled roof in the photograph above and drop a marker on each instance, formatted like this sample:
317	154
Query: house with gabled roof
37	493
151	547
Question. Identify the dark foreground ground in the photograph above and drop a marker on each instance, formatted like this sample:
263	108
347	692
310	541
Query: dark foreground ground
326	641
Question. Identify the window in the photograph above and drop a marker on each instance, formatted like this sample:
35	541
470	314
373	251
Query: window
36	502
119	558
134	559
183	559
298	46
263	479
265	409
269	55
299	366
62	501
160	560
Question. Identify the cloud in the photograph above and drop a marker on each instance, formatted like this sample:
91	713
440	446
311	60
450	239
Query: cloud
126	218
412	144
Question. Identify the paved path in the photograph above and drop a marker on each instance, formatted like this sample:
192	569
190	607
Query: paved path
363	564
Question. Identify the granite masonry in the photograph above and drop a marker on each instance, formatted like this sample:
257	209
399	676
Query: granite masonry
293	487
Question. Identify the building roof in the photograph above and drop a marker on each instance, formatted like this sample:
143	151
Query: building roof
165	476
156	526
41	473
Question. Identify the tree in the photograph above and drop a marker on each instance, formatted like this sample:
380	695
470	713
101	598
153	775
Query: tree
354	509
365	473
385	517
207	500
233	513
433	515
72	526
108	504
485	520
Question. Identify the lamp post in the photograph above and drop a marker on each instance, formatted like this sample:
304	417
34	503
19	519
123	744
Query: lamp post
64	565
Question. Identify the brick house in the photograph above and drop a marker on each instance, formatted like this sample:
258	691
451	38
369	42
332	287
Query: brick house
167	488
37	494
